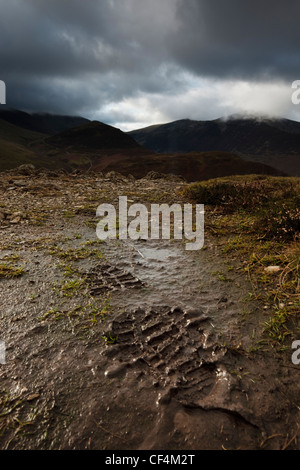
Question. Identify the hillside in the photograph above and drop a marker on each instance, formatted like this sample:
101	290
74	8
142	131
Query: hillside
91	145
18	135
195	166
18	146
100	147
12	155
41	122
94	136
272	142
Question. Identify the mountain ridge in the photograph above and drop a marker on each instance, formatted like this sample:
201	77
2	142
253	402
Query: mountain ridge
97	146
274	142
45	123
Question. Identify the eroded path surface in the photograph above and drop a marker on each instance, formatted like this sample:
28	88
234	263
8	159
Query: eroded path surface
128	344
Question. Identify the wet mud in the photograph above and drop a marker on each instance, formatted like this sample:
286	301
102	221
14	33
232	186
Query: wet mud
147	346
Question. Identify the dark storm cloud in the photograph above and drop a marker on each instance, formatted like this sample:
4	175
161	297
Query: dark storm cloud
70	56
80	54
71	37
233	37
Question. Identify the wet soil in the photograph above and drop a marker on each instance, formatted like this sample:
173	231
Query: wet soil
129	344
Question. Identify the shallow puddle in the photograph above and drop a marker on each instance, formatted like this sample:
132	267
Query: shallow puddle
170	275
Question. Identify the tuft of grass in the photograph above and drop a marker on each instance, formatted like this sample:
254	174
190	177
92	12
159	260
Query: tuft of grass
69	214
109	339
68	269
12	257
84	316
91	224
221	276
72	287
74	254
273	202
277	326
38	219
13	419
93	243
8	271
101	312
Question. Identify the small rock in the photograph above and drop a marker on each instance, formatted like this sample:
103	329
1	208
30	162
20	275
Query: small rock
16	220
26	169
273	269
32	397
115	370
163	398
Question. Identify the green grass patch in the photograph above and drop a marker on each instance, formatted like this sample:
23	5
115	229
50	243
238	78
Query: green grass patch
74	254
71	287
84	317
267	205
257	220
14	420
8	271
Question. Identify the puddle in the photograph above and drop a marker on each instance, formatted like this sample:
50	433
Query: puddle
169	274
156	254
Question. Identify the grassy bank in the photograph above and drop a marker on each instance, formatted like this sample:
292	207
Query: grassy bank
257	219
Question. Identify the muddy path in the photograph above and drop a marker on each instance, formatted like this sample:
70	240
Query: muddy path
128	344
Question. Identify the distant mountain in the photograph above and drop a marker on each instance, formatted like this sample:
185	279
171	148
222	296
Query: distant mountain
91	145
18	135
17	146
41	122
274	142
100	147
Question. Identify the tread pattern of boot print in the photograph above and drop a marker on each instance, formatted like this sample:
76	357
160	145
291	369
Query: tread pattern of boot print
177	348
107	277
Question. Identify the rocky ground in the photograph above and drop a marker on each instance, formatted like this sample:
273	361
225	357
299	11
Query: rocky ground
128	344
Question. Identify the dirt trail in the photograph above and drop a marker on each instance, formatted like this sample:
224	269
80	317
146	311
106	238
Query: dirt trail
128	345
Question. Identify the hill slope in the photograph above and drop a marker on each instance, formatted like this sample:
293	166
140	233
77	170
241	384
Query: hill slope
272	142
100	147
94	136
91	145
195	166
41	122
18	135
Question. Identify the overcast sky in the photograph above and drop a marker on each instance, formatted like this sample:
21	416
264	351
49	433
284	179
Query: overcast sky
133	63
